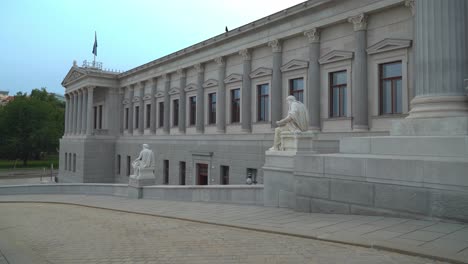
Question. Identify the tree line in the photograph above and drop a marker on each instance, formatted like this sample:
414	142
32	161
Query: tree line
31	125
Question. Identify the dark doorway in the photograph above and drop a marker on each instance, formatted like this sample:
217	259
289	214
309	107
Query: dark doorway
202	174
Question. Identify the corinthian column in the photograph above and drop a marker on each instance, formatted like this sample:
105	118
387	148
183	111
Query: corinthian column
90	118
200	125
182	83
276	93
359	74
441	59
246	102
221	97
130	108
83	111
67	110
153	84
167	104
75	111
78	113
313	78
141	116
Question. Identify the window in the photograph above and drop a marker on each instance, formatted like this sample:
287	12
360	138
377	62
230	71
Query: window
338	104
74	162
118	164
224	175
66	161
390	88
252	174
166	172
100	117
126	118
175	112
69	161
161	114
235	106
212	108
148	115
182	172
129	163
192	110
263	106
202	174
95	117
137	115
296	89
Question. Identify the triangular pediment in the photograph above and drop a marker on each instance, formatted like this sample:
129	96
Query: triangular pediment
147	97
190	87
336	55
389	44
262	71
210	83
174	90
74	74
294	65
234	77
159	94
136	99
126	102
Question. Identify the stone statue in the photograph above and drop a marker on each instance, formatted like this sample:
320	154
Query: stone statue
296	121
144	161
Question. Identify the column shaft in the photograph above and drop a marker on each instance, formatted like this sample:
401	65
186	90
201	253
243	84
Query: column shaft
141	121
221	99
154	85
130	110
200	122
122	110
167	105
277	79
84	111
80	104
246	100
313	79
90	112
182	85
75	112
67	109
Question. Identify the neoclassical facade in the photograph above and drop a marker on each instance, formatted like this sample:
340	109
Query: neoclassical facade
208	111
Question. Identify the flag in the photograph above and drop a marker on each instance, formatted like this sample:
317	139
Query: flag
95	44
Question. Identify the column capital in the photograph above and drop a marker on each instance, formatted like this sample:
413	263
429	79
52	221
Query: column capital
359	22
84	90
411	5
131	87
313	35
79	91
90	88
122	90
220	61
245	54
142	84
199	67
181	72
275	45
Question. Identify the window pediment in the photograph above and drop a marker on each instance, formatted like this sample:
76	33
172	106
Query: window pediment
147	97
126	102
136	99
260	72
336	55
234	77
190	87
294	65
159	94
388	45
210	83
174	90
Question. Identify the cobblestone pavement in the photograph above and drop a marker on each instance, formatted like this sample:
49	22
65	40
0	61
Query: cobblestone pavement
54	233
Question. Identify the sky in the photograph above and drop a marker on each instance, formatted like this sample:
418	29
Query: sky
39	39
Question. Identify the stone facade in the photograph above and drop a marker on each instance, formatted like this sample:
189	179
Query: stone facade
109	115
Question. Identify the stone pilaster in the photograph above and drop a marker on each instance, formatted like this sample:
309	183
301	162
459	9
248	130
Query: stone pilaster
221	96
70	114
79	111
90	112
83	111
67	110
200	124
246	99
313	78
182	84
122	110
167	104
277	79
359	74
441	59
141	104
130	108
75	111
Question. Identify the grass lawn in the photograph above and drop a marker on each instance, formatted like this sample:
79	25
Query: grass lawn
10	164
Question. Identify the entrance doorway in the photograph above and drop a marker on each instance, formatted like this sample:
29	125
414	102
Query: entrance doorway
202	174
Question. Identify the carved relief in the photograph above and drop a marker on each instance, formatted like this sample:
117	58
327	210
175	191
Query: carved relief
359	22
411	5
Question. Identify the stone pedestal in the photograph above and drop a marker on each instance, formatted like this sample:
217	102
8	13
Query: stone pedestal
136	183
294	142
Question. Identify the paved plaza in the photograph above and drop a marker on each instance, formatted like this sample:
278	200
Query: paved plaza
57	233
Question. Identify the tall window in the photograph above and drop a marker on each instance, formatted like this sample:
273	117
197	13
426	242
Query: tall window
126	118
252	174
100	117
66	161
118	164
95	114
166	172
390	88
137	116
263	106
129	163
212	108
338	104
235	106
224	175
161	114
74	162
182	172
175	112
192	110
296	89
69	161
148	115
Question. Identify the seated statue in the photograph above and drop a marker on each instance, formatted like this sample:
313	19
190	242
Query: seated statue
144	161
296	121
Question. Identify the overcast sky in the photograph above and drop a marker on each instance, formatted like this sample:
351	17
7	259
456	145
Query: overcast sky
39	39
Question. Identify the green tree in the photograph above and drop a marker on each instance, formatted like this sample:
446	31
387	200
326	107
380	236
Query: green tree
30	125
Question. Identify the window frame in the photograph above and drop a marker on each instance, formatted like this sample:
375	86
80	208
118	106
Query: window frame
160	114
393	81
266	98
192	109
342	112
294	92
235	113
212	108
175	112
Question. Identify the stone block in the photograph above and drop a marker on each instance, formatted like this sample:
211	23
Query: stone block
312	187
449	204
286	199
309	163
135	192
274	182
330	207
446	172
352	192
402	198
343	165
303	141
444	126
355	145
394	169
302	204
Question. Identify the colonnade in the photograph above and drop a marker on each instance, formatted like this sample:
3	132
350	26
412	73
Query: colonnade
79	111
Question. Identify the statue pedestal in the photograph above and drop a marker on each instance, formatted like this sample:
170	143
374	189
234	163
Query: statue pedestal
135	183
295	142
